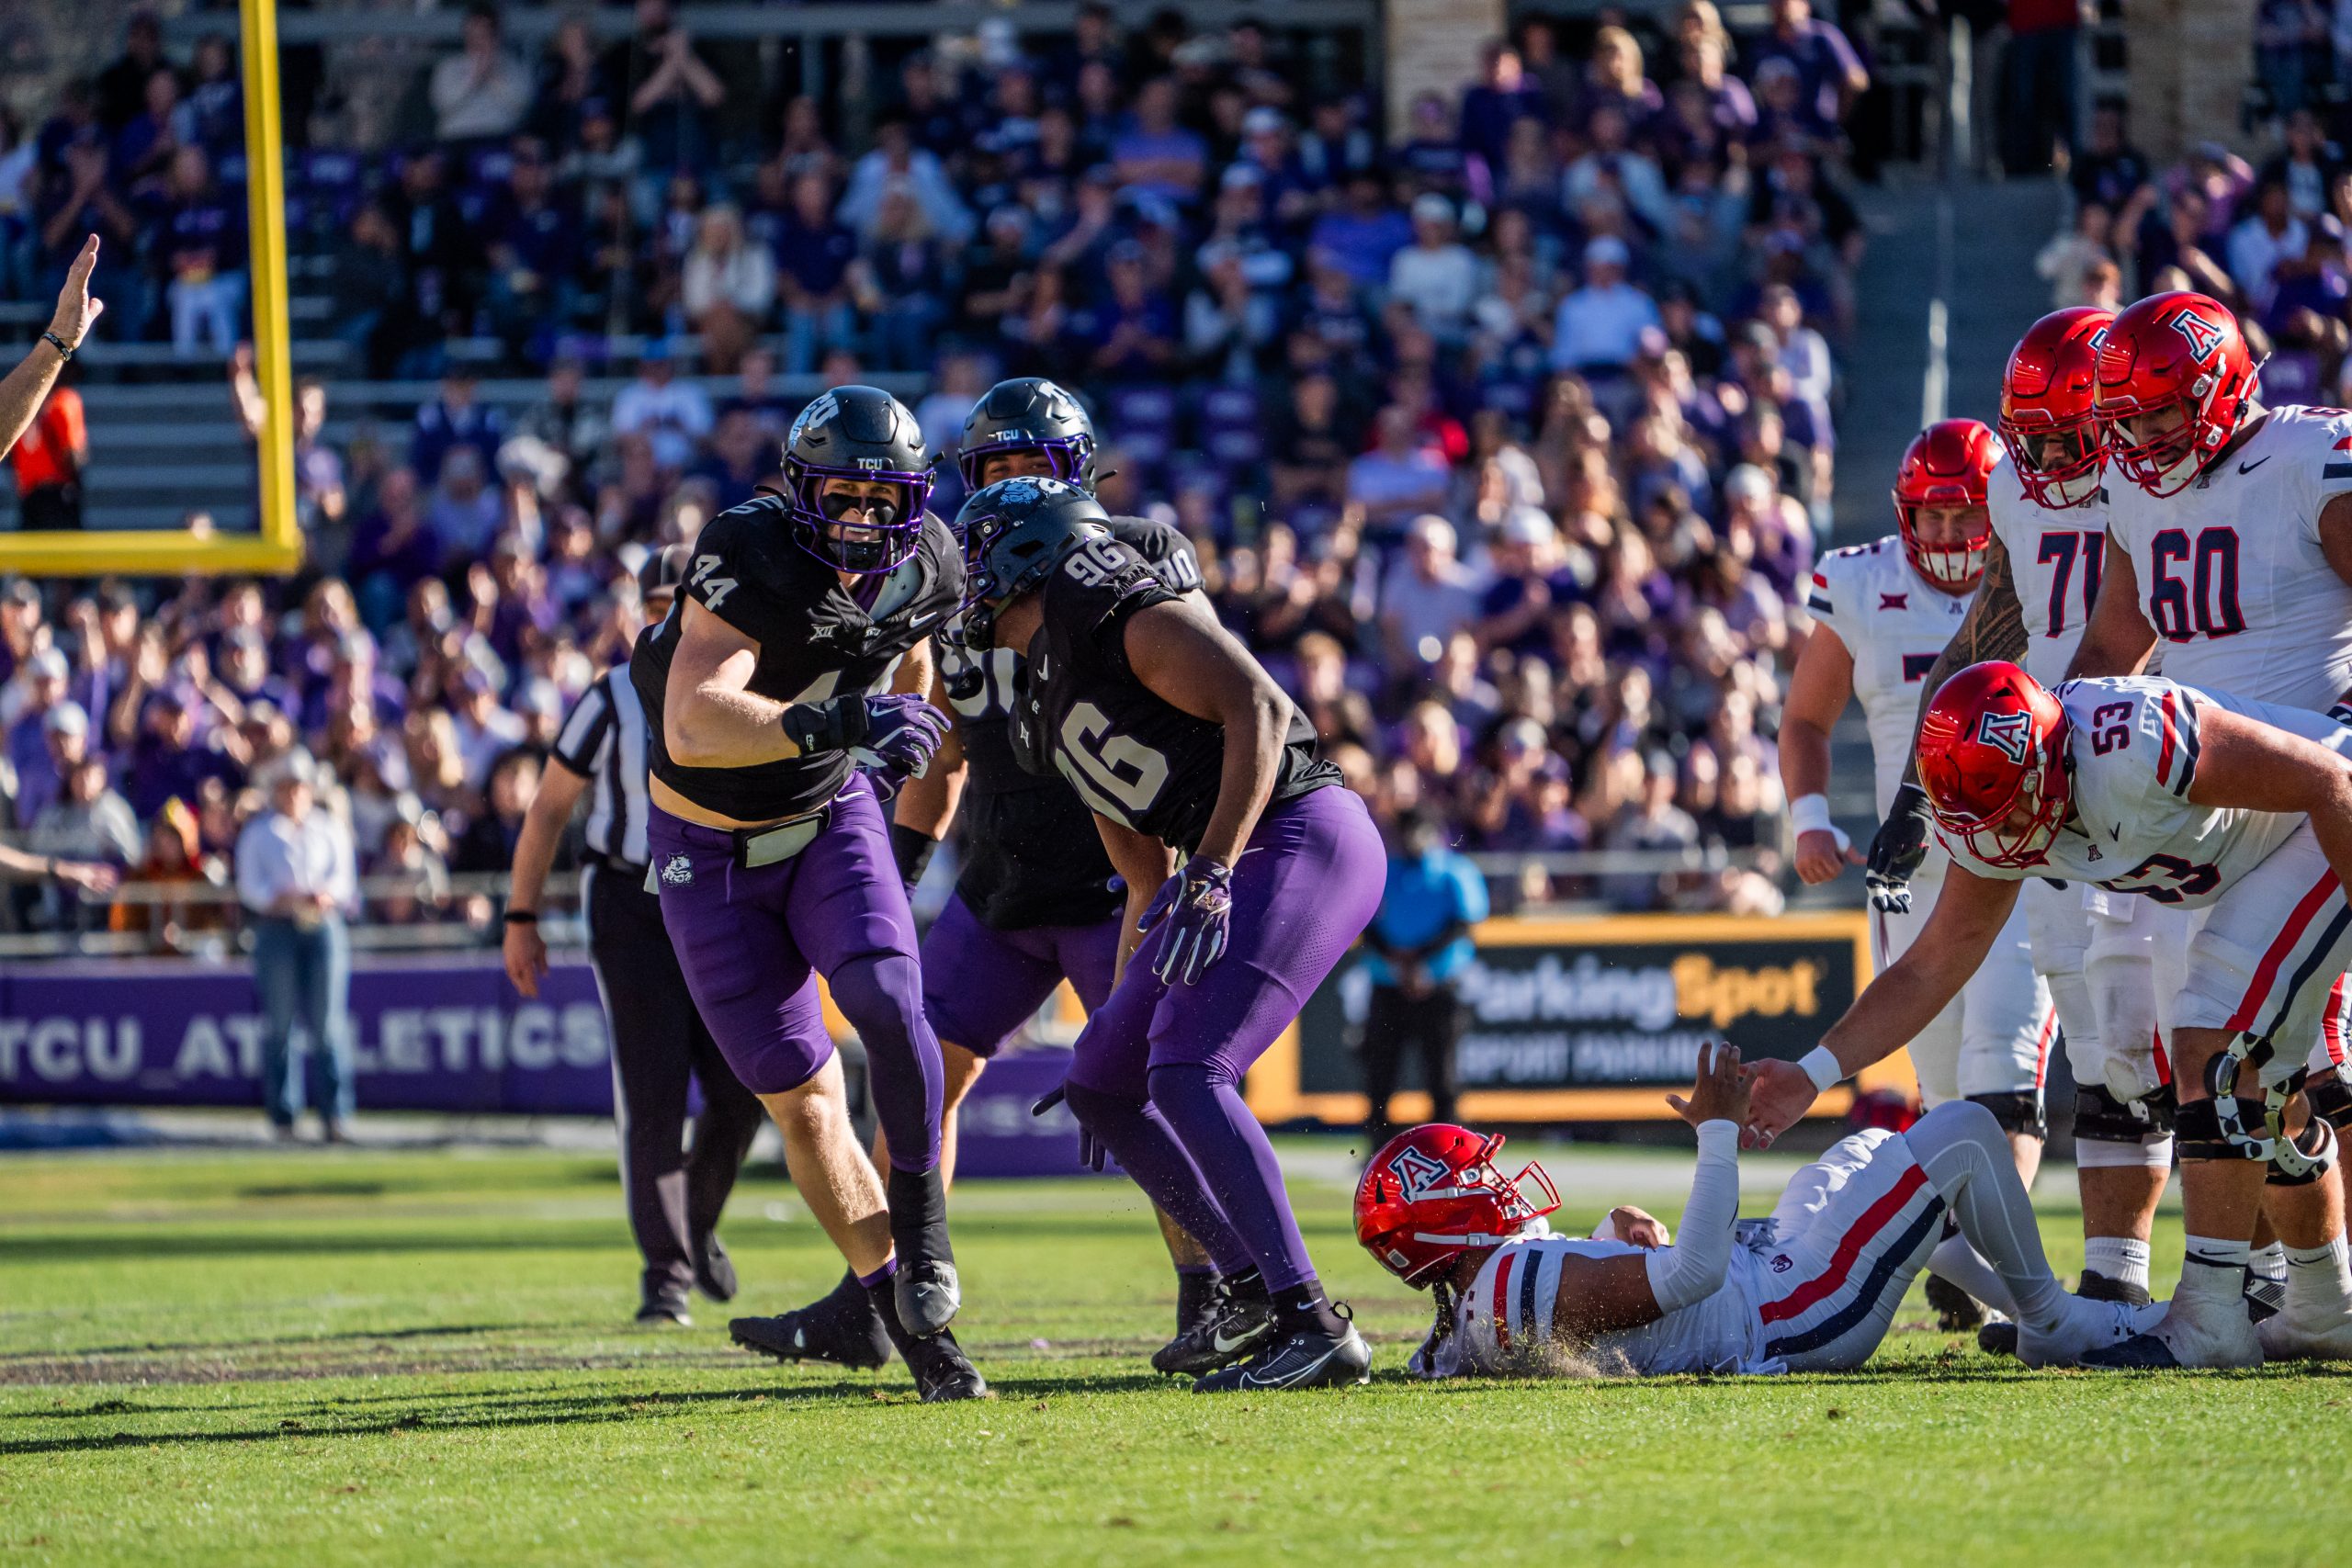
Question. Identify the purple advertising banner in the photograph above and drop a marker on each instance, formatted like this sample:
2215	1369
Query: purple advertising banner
444	1033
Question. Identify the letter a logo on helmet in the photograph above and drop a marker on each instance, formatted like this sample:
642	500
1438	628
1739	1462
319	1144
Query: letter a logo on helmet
2203	337
2010	733
1418	1174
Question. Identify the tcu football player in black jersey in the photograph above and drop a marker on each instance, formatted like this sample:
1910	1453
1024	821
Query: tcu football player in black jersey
783	691
1181	744
1035	901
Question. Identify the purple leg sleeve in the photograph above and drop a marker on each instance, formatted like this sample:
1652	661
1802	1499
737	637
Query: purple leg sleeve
1139	1139
848	912
1232	1149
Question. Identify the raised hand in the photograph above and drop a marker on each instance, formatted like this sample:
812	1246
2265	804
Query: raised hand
77	308
1721	1093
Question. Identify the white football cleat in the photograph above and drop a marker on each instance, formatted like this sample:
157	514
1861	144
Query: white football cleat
2218	1336
2284	1339
2087	1325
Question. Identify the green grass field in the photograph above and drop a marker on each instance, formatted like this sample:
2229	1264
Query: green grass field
424	1357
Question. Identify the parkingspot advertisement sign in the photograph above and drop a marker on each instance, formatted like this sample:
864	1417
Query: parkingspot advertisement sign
1592	1020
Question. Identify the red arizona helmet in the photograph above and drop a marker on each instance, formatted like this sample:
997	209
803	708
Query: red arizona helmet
1433	1193
1948	464
2171	351
1992	760
2047	420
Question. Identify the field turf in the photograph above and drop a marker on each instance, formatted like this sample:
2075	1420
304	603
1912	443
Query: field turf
424	1356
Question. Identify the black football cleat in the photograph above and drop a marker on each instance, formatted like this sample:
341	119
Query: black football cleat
1957	1312
1228	1328
928	1295
664	1310
2095	1286
1310	1358
2142	1352
714	1270
1999	1337
827	1330
942	1372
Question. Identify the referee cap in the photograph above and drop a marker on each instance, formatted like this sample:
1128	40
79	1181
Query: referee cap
663	570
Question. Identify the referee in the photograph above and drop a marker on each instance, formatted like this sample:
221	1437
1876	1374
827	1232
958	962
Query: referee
659	1041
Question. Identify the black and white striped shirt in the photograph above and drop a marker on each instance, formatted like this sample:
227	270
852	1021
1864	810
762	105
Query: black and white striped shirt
604	740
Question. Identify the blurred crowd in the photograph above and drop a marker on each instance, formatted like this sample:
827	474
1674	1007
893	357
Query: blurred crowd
1504	442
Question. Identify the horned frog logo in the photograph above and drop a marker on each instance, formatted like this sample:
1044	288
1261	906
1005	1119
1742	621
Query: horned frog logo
678	872
815	417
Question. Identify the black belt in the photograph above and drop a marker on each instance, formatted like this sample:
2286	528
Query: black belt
622	870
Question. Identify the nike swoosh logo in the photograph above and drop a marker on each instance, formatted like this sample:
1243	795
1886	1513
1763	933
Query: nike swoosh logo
1249	1379
2115	835
2249	467
1225	1346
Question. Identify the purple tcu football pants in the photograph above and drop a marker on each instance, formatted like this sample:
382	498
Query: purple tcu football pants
979	985
748	939
1157	1070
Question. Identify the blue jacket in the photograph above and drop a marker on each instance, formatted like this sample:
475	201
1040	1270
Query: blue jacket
1425	894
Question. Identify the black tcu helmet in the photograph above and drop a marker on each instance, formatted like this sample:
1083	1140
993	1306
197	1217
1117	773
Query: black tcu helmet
1015	533
1029	413
856	433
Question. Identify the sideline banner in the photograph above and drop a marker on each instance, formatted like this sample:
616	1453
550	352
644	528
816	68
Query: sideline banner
446	1033
1592	1020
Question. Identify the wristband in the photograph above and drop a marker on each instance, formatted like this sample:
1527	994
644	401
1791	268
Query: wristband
64	349
1820	1066
521	917
913	850
1810	813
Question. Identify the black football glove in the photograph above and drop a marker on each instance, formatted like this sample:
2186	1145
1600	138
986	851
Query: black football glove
1896	850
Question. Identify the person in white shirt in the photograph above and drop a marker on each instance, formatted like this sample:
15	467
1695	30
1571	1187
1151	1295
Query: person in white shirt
1427	594
2259	243
480	91
297	878
1436	274
1599	328
674	415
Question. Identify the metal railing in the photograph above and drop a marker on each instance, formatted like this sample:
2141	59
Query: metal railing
450	927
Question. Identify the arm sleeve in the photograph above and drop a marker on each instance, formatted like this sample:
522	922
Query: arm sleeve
1471	904
1694	1267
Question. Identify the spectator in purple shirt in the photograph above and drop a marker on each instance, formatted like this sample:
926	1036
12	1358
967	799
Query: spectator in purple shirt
200	233
1156	155
393	547
456	418
1365	233
1133	333
813	251
1830	73
64	733
169	759
1503	98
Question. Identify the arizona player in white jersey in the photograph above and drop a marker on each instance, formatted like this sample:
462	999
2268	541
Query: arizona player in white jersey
2232	552
1811	1289
2095	950
2239	810
1883	614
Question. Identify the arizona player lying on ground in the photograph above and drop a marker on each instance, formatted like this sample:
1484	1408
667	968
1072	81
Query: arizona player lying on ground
2239	811
1811	1289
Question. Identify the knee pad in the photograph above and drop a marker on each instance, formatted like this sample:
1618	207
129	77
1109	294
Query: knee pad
2018	1111
2315	1157
2100	1117
881	995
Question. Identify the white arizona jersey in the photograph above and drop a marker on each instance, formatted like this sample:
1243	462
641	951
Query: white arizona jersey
1504	1320
2133	742
2054	561
2230	570
1895	623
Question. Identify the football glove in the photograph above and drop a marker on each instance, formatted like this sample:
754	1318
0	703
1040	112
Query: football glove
1199	920
895	734
1896	850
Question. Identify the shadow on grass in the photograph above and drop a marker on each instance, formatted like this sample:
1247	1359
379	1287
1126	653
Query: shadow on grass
281	1342
461	1411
